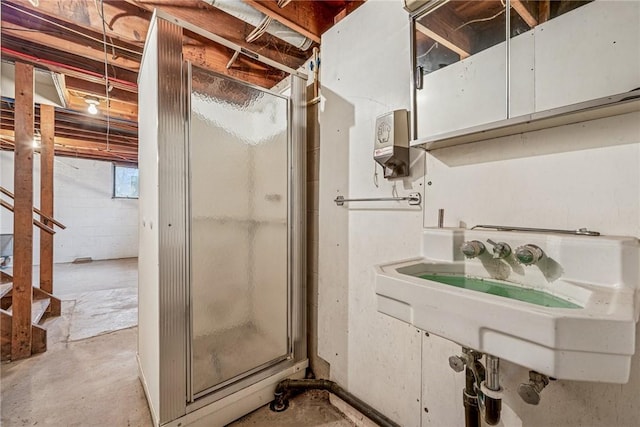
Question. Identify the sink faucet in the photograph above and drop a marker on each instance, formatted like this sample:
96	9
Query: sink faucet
472	248
500	250
529	254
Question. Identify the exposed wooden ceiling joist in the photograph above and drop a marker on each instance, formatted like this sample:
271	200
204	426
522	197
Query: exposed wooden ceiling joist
231	28
67	70
55	55
83	50
123	21
544	10
83	149
458	42
42	30
217	58
522	7
116	108
308	18
89	88
69	37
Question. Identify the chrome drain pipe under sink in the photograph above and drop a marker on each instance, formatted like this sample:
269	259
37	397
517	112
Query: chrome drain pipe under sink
482	392
492	391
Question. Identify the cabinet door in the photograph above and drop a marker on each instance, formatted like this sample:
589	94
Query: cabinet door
590	52
461	53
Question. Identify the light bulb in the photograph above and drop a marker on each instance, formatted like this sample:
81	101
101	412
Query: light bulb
92	109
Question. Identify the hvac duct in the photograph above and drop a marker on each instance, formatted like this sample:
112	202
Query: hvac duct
258	19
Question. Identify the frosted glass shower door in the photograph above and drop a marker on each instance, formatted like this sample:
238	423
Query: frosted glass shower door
239	236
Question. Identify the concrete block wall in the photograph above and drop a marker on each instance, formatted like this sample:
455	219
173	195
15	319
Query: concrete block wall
98	226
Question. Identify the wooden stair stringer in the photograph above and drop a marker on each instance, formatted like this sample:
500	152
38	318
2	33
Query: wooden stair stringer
38	337
55	304
5	277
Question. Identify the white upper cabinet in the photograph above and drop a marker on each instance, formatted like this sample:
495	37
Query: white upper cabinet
560	56
461	59
588	53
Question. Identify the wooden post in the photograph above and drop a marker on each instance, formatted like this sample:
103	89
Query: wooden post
47	131
22	215
544	11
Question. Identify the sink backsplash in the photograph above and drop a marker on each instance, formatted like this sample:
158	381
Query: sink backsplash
603	260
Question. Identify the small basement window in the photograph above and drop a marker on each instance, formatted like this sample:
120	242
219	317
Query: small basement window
125	182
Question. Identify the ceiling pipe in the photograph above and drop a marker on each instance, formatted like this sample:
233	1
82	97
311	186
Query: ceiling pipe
254	17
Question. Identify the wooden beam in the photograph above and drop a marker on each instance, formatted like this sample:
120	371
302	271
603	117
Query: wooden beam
215	58
5	335
352	5
47	132
306	17
78	147
23	216
522	9
116	108
123	21
446	38
86	87
544	11
67	70
55	39
48	55
215	21
69	137
447	28
79	143
85	153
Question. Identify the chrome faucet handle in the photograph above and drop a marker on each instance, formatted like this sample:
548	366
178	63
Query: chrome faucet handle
529	254
500	250
530	392
457	363
472	248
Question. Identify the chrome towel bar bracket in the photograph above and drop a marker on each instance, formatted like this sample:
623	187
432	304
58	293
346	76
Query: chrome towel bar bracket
414	199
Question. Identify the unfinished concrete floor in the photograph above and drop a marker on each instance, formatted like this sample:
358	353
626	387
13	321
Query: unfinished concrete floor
88	370
308	409
88	376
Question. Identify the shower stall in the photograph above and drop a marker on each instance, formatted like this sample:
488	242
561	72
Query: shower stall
221	263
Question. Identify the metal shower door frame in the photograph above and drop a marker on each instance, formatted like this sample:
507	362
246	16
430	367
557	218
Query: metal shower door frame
290	354
176	394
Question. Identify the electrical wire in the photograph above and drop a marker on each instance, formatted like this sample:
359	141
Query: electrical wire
283	3
259	30
484	19
106	69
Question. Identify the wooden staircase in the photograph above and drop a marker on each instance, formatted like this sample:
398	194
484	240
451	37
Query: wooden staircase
43	305
21	331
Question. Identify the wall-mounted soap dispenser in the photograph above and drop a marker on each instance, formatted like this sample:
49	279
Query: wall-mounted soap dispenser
391	146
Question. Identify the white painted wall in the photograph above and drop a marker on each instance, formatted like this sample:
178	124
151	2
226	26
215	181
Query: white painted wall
149	240
582	175
98	226
365	73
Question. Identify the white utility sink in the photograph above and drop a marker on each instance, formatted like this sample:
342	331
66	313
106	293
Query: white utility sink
571	316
